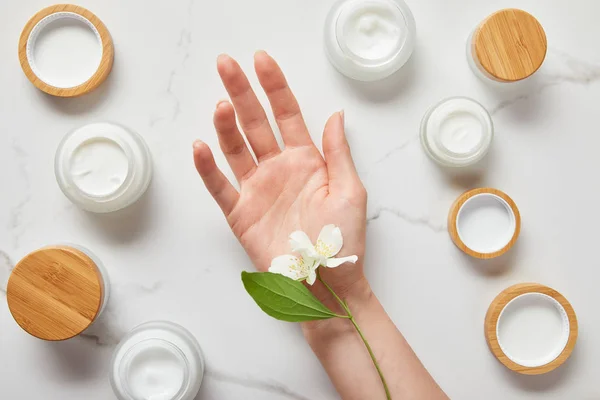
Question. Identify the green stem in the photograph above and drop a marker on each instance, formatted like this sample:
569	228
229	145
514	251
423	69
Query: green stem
351	317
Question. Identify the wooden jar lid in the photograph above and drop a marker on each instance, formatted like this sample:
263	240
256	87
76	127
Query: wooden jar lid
453	216
491	323
509	45
106	61
55	293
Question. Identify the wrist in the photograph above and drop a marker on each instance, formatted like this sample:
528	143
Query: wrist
356	293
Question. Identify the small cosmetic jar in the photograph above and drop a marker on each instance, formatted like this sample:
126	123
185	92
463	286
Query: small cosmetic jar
157	360
368	40
484	223
65	50
508	46
103	167
57	292
457	132
531	328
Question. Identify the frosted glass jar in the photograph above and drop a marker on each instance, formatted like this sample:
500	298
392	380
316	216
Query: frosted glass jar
457	132
368	40
508	46
157	360
103	167
57	292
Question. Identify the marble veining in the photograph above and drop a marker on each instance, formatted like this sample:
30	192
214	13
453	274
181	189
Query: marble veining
425	221
183	50
563	69
6	266
266	386
16	222
173	256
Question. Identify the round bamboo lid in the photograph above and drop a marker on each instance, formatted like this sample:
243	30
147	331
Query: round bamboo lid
495	311
55	293
498	198
509	45
60	11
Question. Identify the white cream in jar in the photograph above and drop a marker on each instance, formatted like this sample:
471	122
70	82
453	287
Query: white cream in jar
103	167
369	40
457	132
157	361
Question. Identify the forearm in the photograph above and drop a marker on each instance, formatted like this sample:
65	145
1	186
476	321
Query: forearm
346	359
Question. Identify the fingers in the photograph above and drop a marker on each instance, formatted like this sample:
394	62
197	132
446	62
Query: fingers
249	111
217	184
232	143
340	166
283	103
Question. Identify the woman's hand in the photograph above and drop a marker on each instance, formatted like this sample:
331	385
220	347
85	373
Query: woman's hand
297	189
286	190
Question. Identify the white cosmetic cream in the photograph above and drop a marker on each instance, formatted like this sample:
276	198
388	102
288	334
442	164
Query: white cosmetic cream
157	361
457	132
64	49
533	329
103	167
486	223
369	40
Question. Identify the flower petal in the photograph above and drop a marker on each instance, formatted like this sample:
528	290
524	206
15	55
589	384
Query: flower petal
290	266
300	242
330	241
312	276
335	262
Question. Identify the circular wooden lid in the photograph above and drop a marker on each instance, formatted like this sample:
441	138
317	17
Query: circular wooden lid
55	293
106	62
453	222
510	45
491	324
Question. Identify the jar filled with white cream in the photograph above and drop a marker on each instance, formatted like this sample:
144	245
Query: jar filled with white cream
368	40
159	361
457	132
103	167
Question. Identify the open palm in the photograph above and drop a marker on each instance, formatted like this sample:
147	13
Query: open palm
287	190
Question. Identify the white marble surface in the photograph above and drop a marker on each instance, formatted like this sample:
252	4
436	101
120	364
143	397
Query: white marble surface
172	256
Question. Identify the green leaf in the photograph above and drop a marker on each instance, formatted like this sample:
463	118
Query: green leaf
283	298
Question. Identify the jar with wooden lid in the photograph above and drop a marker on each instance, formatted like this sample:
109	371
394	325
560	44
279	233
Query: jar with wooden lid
57	292
508	46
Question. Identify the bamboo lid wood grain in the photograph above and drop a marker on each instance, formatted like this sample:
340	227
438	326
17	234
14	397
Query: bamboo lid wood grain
509	45
55	293
493	315
65	11
454	221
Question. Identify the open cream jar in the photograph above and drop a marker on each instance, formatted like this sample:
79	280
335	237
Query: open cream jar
368	40
457	132
157	360
103	167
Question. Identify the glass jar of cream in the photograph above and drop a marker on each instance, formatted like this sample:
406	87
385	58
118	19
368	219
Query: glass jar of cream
457	132
103	167
57	292
508	46
157	360
368	40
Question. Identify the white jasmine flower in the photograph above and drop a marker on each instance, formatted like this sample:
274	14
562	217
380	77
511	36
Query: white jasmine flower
311	256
